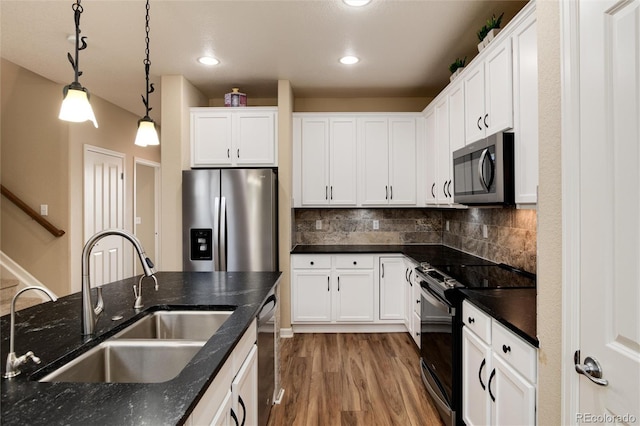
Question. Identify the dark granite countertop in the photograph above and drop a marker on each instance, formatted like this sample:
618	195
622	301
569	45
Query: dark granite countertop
52	331
515	308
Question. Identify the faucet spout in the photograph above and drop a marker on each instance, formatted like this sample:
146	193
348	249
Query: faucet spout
13	361
89	312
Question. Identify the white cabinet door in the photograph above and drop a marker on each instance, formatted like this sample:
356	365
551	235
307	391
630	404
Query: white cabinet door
402	161
315	161
354	295
244	389
375	160
456	117
254	138
342	163
474	103
416	329
513	397
476	367
311	295
443	166
210	139
223	416
430	156
525	111
392	288
498	89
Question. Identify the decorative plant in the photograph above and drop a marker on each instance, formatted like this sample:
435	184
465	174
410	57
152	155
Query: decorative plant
458	63
492	23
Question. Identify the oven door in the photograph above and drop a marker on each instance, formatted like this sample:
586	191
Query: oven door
436	334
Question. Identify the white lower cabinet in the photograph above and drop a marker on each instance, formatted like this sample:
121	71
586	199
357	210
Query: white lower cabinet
498	373
232	397
244	390
392	288
332	288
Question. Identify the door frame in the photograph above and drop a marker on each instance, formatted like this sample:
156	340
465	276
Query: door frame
570	163
157	203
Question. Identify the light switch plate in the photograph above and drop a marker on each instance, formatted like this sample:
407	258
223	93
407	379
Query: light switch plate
376	224
446	226
485	231
44	209
318	224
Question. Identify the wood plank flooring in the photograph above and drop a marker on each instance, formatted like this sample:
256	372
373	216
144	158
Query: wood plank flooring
352	379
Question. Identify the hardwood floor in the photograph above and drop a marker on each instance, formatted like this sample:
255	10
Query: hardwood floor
352	379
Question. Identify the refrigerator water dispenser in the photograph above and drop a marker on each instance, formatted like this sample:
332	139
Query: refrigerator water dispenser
201	244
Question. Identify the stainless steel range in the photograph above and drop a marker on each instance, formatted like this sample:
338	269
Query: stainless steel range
441	327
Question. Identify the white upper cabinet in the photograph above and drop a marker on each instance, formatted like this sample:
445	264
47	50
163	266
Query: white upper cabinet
488	93
456	117
430	156
325	150
525	110
388	147
443	153
225	137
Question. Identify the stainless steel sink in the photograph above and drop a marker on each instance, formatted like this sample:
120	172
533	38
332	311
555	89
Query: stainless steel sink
189	325
122	361
154	349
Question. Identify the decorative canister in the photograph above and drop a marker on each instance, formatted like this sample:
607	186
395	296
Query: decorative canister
235	98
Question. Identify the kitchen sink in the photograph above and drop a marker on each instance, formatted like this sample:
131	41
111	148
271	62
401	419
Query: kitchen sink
188	325
122	361
154	349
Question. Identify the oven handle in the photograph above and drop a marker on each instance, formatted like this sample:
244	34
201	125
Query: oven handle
435	300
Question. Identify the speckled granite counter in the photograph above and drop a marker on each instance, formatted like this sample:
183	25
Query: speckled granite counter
52	332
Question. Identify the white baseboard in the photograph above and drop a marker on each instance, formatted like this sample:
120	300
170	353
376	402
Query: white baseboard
349	328
286	333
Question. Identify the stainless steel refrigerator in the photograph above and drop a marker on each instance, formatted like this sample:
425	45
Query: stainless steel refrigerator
230	220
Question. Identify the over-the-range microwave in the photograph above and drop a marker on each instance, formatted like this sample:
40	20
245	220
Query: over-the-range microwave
483	172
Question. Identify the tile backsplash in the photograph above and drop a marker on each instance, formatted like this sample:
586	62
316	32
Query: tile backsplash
511	233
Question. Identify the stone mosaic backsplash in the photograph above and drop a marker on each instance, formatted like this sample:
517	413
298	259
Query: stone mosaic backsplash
511	233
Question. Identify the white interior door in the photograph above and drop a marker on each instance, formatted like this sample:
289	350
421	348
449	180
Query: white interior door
104	209
607	270
146	210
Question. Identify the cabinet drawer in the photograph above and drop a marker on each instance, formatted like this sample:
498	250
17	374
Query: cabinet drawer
477	321
356	261
515	351
311	261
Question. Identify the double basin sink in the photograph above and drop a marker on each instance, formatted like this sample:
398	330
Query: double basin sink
154	349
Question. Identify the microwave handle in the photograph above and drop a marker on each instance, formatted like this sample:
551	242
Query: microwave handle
483	181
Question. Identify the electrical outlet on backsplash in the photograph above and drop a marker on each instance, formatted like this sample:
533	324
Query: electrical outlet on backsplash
511	233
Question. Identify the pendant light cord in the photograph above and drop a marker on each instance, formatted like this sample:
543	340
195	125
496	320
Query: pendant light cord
81	44
147	65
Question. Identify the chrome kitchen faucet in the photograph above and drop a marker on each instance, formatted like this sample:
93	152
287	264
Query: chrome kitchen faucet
13	362
90	313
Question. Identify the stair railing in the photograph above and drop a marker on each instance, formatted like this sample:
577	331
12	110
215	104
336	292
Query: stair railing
31	212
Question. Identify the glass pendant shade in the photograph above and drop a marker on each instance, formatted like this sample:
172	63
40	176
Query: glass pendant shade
147	134
76	107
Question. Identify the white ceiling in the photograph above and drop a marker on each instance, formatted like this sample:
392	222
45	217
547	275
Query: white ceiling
405	46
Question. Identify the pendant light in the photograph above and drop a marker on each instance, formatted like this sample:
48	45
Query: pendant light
147	133
75	104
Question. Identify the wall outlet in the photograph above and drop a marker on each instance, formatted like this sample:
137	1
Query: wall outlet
376	224
446	226
44	209
318	224
485	231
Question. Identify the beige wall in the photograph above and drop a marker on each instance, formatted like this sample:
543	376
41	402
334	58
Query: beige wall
285	195
549	215
178	95
42	162
399	104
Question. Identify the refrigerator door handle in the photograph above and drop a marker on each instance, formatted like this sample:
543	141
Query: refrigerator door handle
223	235
216	234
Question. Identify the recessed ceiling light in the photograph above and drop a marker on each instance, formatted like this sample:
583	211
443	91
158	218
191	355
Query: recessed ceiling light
356	3
349	60
208	60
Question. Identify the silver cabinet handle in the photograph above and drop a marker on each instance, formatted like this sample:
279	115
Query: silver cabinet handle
591	369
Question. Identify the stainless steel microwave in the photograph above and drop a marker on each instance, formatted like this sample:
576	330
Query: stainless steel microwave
483	172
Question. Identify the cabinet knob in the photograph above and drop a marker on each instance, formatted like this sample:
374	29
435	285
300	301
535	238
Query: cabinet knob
471	320
506	348
311	262
418	301
355	263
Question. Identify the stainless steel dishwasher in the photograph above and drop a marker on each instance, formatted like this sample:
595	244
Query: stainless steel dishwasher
266	356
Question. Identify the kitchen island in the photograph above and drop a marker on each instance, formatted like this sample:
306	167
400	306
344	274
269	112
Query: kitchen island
52	331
